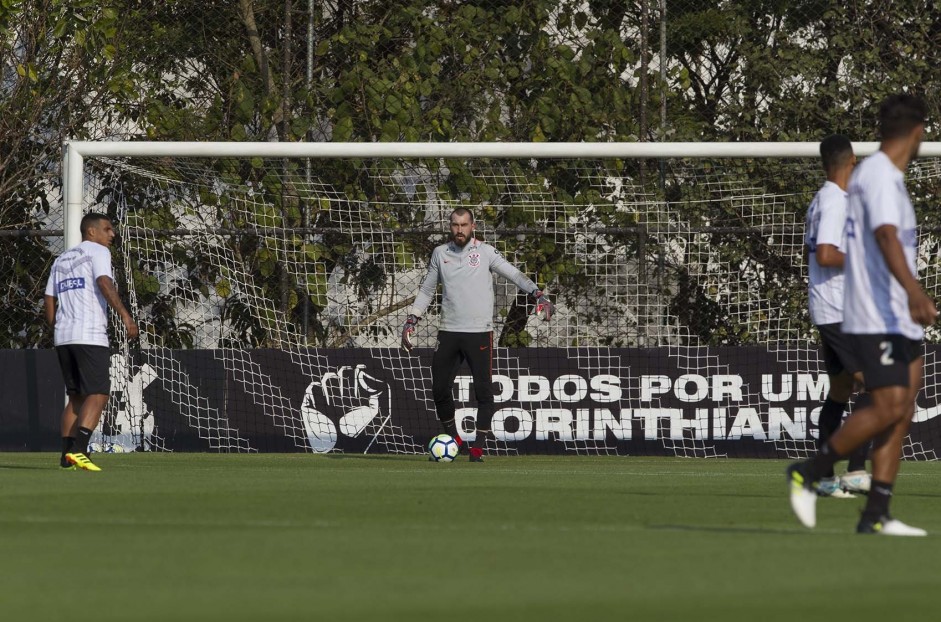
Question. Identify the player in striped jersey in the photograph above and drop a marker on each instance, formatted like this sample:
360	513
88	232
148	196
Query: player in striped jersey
884	312
79	290
826	249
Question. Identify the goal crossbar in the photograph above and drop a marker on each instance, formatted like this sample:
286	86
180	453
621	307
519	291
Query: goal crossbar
75	152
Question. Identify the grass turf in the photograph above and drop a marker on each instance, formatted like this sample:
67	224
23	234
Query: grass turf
292	537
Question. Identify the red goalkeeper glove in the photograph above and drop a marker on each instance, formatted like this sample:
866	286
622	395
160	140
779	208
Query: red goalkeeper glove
410	323
544	306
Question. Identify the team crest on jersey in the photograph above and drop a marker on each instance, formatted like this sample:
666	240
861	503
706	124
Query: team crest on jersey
473	260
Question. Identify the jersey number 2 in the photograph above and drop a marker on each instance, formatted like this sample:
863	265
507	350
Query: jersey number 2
886	358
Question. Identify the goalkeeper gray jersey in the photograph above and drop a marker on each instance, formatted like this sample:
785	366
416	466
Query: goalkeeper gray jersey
466	285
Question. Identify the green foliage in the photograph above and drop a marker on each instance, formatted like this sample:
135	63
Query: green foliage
62	73
416	70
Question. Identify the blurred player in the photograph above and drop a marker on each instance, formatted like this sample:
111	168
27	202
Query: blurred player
823	237
79	290
884	312
463	267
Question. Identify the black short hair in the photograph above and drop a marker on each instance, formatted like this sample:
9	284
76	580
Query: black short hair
89	220
461	211
835	151
899	114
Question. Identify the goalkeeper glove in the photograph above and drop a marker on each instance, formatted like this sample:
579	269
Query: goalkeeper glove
544	306
410	323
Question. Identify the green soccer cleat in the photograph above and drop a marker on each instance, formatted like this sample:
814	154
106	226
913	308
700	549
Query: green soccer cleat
81	461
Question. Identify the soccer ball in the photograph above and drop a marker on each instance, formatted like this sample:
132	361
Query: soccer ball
443	448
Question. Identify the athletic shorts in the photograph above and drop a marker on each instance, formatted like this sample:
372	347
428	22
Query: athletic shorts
86	369
836	349
884	359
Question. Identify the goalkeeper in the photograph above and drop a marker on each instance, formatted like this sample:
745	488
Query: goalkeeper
463	267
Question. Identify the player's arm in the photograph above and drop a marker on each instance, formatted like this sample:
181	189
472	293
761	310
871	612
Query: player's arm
499	265
49	300
922	307
426	293
829	256
49	309
830	234
511	273
110	292
428	287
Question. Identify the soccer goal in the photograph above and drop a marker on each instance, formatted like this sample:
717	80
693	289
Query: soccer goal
271	282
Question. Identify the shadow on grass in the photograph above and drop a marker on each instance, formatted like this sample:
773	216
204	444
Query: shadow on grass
710	494
30	468
342	456
719	529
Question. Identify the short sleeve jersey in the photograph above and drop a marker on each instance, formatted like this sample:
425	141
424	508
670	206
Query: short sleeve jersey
826	221
874	301
465	275
82	312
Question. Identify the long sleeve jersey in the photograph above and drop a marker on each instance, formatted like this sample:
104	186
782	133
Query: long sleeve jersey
466	285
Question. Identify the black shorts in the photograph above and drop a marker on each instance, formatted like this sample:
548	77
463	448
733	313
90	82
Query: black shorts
453	349
86	369
884	359
836	348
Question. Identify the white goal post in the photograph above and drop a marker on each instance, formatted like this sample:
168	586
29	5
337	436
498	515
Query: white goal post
271	280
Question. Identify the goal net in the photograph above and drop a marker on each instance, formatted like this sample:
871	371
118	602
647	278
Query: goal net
271	293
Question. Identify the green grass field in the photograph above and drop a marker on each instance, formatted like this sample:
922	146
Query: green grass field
299	537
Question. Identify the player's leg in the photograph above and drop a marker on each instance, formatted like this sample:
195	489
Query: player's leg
831	413
843	369
478	349
890	403
69	427
833	350
94	379
885	374
856	478
444	364
69	421
857	430
886	459
831	416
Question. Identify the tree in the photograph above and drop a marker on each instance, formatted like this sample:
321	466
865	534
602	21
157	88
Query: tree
441	70
62	74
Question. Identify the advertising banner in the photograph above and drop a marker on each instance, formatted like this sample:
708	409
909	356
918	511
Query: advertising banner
735	401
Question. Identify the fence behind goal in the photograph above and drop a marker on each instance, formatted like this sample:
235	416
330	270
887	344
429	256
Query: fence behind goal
271	284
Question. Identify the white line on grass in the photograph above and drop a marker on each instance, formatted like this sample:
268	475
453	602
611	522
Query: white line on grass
406	526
